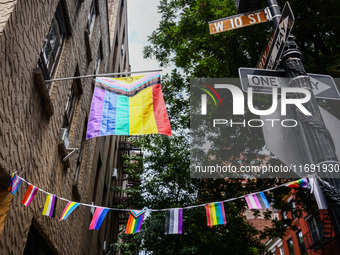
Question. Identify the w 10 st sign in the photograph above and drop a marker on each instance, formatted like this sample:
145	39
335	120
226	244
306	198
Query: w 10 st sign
238	21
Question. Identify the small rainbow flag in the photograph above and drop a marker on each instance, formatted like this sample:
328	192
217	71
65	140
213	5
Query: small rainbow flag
257	201
299	183
128	106
215	214
14	183
135	222
29	195
68	210
98	217
50	205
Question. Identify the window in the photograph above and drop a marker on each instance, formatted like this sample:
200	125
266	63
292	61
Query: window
115	58
99	166
121	11
290	247
51	51
91	18
301	243
281	250
99	59
294	215
316	229
81	151
72	99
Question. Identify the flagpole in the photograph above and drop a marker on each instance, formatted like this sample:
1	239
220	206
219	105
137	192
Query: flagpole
100	75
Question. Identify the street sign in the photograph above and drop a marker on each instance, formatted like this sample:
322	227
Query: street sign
238	21
263	82
272	53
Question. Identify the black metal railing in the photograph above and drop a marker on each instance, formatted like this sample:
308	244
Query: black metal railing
315	238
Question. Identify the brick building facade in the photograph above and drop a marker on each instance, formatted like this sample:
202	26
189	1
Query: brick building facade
40	121
312	234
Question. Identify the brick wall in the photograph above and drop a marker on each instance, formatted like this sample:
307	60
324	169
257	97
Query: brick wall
29	137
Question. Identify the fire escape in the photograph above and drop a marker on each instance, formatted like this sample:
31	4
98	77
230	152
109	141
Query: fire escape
320	239
126	148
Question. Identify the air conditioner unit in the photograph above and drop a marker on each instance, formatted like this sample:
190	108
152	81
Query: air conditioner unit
115	173
64	136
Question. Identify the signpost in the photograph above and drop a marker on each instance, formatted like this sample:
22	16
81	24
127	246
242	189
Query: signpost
316	138
272	53
262	81
238	21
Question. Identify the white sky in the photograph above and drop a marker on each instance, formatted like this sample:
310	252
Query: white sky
143	18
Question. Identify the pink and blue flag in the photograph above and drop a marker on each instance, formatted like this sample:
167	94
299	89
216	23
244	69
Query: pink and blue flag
14	183
98	217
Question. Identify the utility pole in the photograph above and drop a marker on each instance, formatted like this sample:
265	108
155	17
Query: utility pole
320	143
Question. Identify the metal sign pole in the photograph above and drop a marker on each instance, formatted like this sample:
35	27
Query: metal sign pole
320	143
321	146
275	12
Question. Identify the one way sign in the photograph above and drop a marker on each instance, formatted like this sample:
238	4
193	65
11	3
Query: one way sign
262	81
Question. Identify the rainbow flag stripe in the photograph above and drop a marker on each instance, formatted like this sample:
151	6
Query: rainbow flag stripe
257	201
215	214
299	183
135	222
14	184
98	217
29	195
50	205
68	210
128	106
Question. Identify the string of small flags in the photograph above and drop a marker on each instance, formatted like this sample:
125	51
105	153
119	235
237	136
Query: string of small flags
174	216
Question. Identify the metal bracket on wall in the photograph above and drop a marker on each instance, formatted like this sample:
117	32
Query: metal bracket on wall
68	155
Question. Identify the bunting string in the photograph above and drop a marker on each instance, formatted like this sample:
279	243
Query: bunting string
174	216
164	209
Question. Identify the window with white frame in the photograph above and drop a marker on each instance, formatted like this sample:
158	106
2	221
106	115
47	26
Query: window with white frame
301	243
99	59
91	18
291	246
72	100
51	51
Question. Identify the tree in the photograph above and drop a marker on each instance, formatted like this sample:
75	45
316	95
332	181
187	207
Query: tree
183	39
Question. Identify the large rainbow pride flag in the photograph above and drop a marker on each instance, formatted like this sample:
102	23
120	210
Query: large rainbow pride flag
128	106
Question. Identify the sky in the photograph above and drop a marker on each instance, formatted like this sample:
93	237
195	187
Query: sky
143	18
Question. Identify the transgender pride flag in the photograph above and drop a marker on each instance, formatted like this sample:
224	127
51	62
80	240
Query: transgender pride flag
257	201
128	106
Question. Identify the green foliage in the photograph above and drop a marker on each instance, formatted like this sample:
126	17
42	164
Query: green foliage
183	39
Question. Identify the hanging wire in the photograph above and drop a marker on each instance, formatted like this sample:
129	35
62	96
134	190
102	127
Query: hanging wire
159	210
100	75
